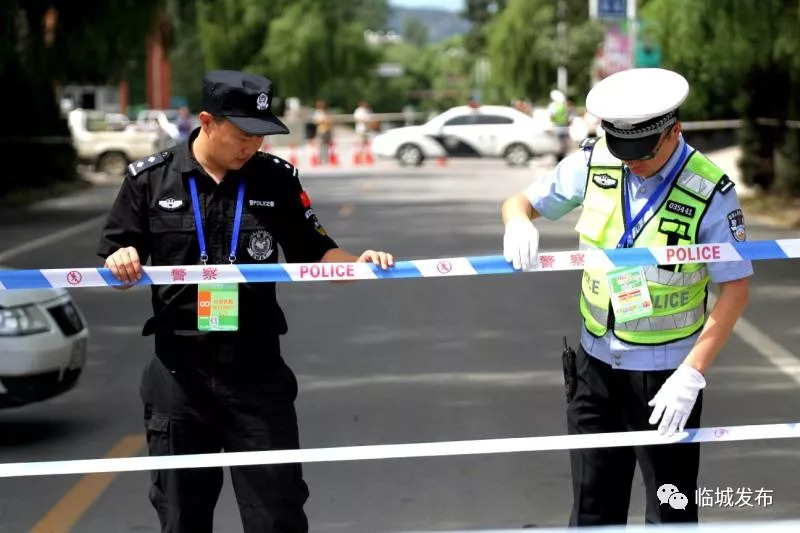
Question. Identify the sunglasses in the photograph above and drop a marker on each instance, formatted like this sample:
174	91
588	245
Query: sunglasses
655	150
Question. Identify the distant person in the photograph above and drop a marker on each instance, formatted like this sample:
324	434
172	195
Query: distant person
558	110
363	118
184	123
324	130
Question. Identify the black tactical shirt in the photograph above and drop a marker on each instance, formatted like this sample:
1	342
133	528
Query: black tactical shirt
153	213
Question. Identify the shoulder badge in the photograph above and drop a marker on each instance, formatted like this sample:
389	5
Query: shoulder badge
279	162
725	184
588	143
137	167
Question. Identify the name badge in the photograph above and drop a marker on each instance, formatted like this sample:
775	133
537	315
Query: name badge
630	297
218	307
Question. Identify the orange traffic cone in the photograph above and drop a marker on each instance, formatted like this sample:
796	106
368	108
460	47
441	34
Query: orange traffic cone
333	159
313	155
368	159
356	154
293	160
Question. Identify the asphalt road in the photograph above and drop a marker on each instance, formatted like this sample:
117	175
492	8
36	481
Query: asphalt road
396	362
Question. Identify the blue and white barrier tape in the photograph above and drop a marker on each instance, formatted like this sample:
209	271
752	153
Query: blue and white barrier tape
395	451
449	266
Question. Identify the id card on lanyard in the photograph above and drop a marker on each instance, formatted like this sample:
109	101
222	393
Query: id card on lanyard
630	297
217	303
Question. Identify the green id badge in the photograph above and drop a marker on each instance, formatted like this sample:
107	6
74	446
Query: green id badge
630	297
218	307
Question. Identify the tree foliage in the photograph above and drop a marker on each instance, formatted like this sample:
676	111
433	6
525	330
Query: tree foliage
524	49
44	43
415	31
743	60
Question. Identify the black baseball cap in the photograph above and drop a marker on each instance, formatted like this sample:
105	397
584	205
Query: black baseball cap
244	99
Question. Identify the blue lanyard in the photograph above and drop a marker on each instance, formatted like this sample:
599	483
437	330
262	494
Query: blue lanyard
198	221
626	241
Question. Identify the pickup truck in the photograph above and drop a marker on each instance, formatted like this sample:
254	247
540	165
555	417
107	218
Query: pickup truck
107	144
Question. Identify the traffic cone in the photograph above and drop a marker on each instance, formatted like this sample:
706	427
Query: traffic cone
293	159
356	154
368	159
333	159
441	160
313	155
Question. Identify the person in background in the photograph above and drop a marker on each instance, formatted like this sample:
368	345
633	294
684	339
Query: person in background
363	119
324	130
184	123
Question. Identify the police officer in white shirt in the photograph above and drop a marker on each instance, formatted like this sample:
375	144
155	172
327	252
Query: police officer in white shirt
639	366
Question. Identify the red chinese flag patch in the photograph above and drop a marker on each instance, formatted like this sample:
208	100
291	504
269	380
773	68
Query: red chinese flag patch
305	199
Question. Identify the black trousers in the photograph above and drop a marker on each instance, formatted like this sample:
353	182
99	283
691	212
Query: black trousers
608	400
218	392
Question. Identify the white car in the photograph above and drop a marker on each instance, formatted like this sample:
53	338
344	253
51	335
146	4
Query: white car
43	343
464	131
101	143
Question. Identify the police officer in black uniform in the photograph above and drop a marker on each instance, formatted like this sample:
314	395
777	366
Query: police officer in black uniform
220	384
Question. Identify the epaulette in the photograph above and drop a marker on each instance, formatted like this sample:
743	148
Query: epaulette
137	167
278	162
588	143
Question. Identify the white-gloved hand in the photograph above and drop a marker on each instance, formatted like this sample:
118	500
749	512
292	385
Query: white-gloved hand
521	243
675	399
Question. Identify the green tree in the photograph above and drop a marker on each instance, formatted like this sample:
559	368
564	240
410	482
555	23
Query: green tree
44	43
480	13
525	52
186	54
415	31
744	59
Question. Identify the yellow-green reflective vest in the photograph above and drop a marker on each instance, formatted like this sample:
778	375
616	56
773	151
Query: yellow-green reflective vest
678	292
559	114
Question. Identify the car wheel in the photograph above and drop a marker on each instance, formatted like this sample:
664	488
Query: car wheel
113	163
518	155
410	155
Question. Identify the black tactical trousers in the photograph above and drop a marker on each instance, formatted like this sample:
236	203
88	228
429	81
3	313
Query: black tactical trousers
222	391
608	400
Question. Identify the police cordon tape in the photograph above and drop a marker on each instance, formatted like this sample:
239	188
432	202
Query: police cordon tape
397	451
451	266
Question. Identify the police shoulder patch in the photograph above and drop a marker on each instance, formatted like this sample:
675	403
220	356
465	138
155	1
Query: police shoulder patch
736	225
137	167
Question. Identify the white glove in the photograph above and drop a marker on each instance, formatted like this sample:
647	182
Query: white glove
675	399
521	243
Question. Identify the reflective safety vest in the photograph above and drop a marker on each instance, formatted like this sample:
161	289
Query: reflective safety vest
559	114
678	292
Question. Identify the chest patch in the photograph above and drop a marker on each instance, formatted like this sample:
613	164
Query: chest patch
604	181
680	209
170	204
259	245
262	203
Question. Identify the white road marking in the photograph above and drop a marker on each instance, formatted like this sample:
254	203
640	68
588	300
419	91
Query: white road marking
51	238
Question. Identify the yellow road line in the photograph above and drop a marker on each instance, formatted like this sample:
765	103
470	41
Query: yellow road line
80	497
